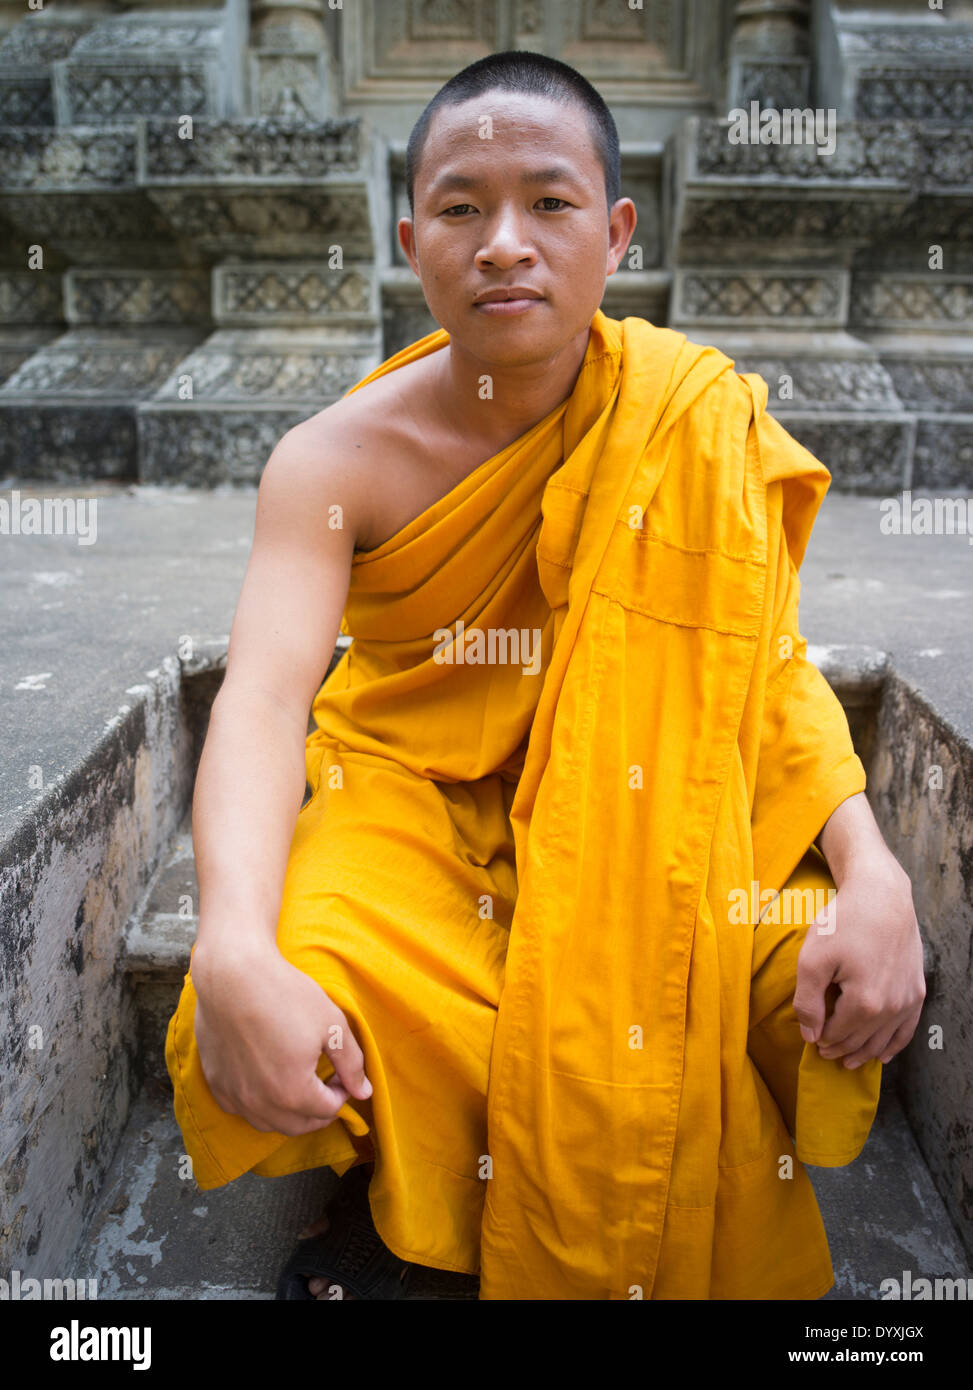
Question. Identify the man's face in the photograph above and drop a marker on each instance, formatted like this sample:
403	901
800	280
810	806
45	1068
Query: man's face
517	199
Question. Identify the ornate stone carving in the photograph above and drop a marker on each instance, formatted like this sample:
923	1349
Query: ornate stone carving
887	151
290	222
945	40
867	456
934	219
227	369
776	27
943	454
891	300
528	18
131	65
42	37
781	218
159	33
605	19
67	158
288	87
203	448
89	362
253	149
97	98
777	84
917	97
26	101
877	66
769	59
639	55
30	296
282	25
923	384
67	442
823	384
137	296
87	227
441	19
947	157
759	297
283	293
27	52
290	78
15	347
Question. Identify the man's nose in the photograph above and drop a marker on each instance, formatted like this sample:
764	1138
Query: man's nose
508	239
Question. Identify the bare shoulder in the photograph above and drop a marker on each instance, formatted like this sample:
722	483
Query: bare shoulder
325	466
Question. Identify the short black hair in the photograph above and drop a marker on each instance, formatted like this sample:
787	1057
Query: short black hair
520	70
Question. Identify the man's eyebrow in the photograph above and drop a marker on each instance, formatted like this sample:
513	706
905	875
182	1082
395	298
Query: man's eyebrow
551	174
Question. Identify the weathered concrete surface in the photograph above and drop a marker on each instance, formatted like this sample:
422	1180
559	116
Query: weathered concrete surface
96	769
911	596
67	1062
81	625
907	595
921	786
883	1213
155	1235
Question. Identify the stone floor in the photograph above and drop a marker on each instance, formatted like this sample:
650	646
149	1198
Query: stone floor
155	1236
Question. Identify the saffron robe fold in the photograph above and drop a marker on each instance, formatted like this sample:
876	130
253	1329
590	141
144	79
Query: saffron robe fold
589	1078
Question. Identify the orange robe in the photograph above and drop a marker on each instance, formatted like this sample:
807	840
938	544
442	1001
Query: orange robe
519	884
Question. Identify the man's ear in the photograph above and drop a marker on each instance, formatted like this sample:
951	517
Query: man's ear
406	232
621	227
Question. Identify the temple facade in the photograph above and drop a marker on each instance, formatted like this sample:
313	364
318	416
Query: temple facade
198	208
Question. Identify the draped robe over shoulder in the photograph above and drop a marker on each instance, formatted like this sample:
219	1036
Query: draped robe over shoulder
517	877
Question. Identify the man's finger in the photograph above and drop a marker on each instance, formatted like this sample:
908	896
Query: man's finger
814	973
855	1018
872	1047
347	1057
900	1039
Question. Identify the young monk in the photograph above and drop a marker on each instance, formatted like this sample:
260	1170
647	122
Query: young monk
493	966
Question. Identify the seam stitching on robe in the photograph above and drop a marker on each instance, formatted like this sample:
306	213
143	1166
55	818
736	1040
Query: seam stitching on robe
745	557
516	1022
674	622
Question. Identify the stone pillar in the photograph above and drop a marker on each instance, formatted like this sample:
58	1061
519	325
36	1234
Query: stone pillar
770	53
289	61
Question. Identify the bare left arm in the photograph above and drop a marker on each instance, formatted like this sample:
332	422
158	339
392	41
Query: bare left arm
866	941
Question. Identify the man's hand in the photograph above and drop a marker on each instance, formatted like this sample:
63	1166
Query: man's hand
867	942
261	1027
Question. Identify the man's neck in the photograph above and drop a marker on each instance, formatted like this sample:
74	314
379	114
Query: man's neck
519	396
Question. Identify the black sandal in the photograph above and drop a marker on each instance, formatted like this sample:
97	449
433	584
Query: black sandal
349	1253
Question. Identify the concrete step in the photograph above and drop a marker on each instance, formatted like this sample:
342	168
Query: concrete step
154	1235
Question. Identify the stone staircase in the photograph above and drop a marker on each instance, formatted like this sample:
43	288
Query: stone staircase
153	1235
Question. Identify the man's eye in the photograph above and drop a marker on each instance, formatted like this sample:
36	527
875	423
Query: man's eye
465	207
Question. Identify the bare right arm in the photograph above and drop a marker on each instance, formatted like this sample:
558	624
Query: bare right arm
261	1024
